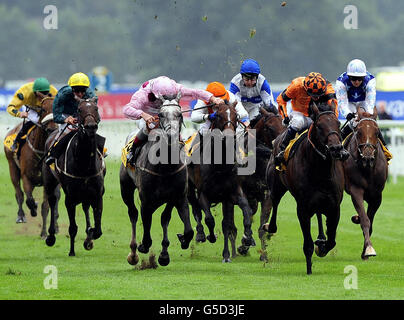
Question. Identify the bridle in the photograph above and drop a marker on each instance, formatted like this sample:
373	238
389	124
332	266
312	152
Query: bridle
233	123
361	146
323	155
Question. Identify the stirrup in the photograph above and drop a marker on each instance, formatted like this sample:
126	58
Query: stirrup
14	147
280	158
49	160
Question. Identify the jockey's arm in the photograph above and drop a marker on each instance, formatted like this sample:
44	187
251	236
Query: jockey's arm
282	102
370	100
342	98
198	116
20	98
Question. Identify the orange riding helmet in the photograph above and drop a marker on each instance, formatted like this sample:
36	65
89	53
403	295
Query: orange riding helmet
218	90
315	84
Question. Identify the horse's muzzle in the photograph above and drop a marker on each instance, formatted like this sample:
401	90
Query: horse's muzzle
338	152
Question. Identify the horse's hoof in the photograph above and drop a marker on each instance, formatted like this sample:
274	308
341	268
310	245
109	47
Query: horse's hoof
369	252
143	248
264	258
50	240
88	244
243	250
355	219
72	254
132	259
21	219
200	237
211	239
43	235
226	260
248	242
164	260
33	213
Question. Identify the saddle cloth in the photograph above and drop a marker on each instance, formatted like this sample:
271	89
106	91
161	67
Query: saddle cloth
9	140
291	149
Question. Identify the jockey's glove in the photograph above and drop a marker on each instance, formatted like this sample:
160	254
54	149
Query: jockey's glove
212	116
286	121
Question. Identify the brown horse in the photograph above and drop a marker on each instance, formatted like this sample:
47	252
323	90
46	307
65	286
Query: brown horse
365	174
80	171
28	166
267	127
215	180
315	178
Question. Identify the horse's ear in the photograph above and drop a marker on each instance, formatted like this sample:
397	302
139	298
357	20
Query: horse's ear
77	99
333	105
178	98
359	112
234	104
314	110
40	95
160	97
94	99
263	111
374	115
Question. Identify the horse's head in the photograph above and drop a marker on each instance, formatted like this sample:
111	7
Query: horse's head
45	113
269	127
325	130
88	115
226	117
170	116
366	135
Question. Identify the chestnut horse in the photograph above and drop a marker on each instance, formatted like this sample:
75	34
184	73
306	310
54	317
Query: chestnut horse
365	174
80	170
315	178
28	166
214	181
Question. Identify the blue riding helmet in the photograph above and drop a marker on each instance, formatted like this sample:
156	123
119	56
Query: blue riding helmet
250	66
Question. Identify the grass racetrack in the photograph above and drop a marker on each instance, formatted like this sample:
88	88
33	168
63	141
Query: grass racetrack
197	273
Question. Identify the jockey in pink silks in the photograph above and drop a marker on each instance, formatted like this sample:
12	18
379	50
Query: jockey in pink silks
145	104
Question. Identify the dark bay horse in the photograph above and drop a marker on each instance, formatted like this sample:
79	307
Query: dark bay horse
28	167
212	181
80	170
366	173
315	178
267	127
160	175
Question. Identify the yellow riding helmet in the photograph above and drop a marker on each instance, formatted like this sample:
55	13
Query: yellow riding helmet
79	80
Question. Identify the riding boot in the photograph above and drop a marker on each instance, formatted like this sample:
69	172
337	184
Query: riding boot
280	157
345	132
381	138
138	142
24	129
58	148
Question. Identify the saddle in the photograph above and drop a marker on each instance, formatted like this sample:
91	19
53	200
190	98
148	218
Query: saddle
291	148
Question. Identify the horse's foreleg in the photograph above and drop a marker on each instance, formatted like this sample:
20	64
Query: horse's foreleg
278	190
44	214
164	258
209	219
15	175
266	206
52	194
242	202
358	202
308	245
373	206
127	194
30	202
321	239
197	213
71	210
226	225
183	211
146	212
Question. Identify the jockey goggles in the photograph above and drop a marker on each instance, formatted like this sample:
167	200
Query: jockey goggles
81	89
353	78
249	76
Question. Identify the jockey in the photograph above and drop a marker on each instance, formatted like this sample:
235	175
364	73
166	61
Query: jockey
356	87
302	91
65	108
252	89
206	115
145	104
26	99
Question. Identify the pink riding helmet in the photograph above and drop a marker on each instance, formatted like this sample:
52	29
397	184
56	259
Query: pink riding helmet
163	86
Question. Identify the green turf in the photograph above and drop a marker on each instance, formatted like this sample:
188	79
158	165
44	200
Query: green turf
197	273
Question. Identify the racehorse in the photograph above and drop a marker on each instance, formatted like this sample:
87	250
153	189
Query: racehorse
315	178
80	170
217	182
365	174
267	127
28	167
159	182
